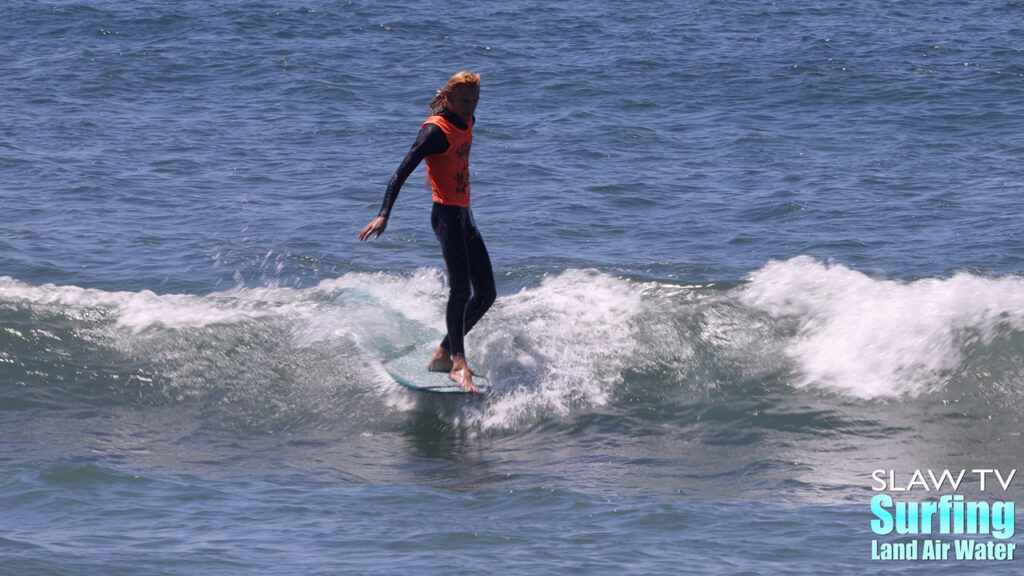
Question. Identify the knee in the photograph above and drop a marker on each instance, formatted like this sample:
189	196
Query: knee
459	294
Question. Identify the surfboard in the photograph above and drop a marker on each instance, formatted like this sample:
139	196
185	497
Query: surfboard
411	371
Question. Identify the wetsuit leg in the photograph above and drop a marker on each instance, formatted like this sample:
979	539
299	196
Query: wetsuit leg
480	274
470	276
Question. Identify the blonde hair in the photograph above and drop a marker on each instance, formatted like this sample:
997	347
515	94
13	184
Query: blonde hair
460	79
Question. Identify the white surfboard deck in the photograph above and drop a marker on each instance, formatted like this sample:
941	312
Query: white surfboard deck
411	371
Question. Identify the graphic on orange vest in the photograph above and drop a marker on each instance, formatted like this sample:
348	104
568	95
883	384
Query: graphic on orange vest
449	172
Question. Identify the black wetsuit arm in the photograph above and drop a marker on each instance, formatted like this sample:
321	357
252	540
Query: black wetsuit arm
431	140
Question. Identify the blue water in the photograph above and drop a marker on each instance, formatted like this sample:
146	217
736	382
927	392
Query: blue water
747	253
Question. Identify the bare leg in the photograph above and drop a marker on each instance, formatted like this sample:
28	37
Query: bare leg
441	361
461	374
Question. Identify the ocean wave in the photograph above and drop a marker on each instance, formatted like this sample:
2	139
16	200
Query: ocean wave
577	342
872	338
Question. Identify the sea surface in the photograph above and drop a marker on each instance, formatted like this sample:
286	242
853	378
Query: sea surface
757	263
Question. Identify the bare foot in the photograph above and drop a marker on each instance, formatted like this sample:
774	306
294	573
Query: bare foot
441	362
462	375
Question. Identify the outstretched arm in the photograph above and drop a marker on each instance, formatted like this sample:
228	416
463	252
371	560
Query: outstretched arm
431	140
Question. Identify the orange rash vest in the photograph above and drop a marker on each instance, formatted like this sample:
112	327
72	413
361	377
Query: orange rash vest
449	172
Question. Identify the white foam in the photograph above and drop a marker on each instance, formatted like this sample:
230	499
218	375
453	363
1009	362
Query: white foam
562	344
136	311
875	338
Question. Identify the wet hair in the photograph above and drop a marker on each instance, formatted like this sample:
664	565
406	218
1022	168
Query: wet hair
460	79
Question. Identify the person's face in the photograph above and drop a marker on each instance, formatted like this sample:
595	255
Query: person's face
463	101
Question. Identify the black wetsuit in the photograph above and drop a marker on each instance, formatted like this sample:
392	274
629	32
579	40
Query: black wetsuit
470	276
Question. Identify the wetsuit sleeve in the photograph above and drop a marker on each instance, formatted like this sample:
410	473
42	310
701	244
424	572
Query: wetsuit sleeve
431	140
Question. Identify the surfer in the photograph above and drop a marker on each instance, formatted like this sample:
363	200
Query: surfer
444	141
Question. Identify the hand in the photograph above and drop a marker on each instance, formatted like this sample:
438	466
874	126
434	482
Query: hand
375	228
